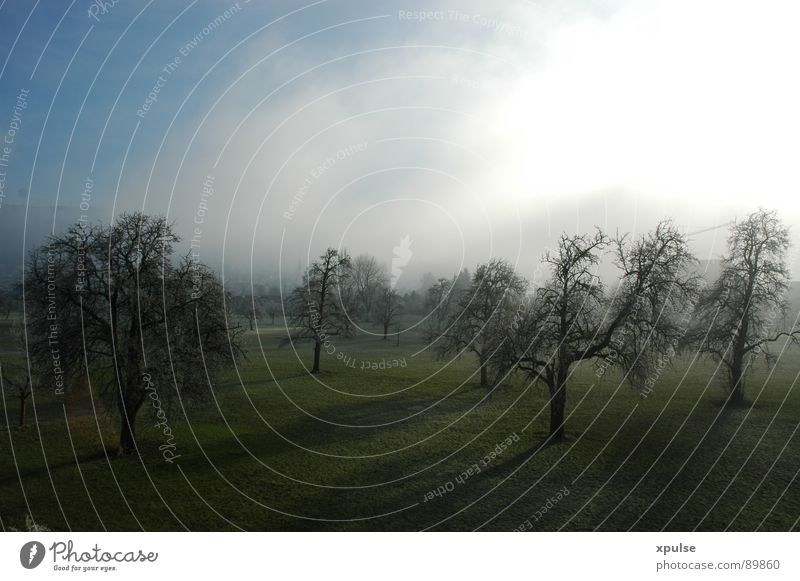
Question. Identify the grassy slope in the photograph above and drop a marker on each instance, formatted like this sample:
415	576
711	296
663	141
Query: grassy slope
678	462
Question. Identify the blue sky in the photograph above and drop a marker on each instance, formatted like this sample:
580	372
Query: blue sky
112	65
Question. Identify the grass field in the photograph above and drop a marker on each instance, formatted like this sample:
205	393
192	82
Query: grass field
415	447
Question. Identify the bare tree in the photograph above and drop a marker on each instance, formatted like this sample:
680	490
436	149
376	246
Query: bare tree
110	300
387	306
272	308
16	378
247	306
427	281
438	299
255	308
462	281
367	276
478	324
744	310
315	309
572	318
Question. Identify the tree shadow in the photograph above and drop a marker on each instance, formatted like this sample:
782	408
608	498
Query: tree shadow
45	469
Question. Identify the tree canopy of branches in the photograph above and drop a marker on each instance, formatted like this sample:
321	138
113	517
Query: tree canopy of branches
366	276
110	302
272	308
479	318
744	310
438	298
17	378
573	317
387	307
316	311
249	306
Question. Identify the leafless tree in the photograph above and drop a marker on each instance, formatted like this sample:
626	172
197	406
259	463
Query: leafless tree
573	318
112	301
745	309
367	276
439	298
247	306
17	380
479	321
463	280
273	309
316	312
16	376
387	307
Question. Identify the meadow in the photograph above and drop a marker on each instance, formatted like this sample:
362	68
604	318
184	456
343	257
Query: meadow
412	443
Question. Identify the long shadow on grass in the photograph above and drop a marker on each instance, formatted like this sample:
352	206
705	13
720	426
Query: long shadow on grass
43	470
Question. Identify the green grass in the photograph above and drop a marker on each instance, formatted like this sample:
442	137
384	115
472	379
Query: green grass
359	449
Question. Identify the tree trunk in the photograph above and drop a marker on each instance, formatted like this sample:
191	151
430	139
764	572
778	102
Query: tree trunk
484	375
558	404
23	403
737	379
251	321
737	370
127	433
317	351
385	331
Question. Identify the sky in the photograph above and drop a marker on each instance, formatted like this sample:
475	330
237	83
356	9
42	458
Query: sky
269	131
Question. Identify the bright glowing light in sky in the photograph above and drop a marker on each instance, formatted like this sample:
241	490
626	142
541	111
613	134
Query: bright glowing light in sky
670	99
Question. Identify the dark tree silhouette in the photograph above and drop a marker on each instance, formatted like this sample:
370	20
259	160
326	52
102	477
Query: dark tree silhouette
744	310
110	301
18	382
573	318
248	306
316	311
273	309
478	321
387	307
438	300
366	276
